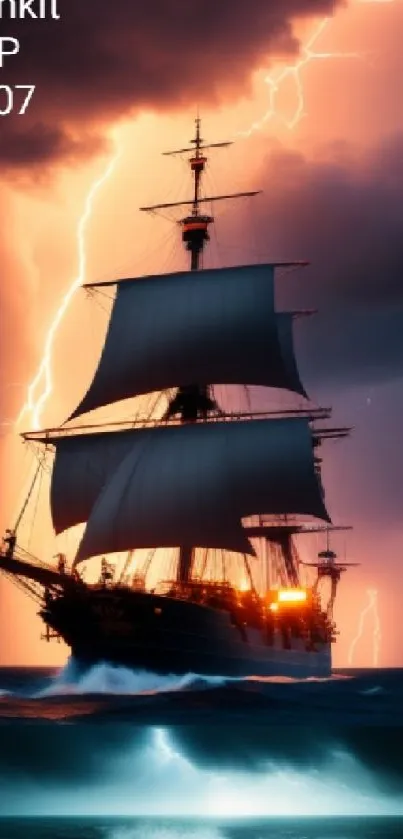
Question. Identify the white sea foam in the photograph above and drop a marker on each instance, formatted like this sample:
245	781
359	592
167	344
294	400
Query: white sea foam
373	691
107	679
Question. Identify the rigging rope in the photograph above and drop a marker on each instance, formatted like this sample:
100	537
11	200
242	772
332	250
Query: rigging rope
35	510
25	505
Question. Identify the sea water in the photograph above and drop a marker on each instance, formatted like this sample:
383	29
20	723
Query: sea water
120	754
337	828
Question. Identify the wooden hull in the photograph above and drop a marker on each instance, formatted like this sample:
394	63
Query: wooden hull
165	635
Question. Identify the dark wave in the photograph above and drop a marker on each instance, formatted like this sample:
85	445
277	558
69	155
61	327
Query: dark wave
106	693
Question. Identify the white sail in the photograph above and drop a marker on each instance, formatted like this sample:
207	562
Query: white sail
210	327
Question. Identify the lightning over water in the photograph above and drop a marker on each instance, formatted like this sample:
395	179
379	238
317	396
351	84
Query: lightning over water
369	614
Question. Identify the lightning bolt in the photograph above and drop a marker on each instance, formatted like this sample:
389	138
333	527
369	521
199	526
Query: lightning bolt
371	608
42	385
167	749
276	80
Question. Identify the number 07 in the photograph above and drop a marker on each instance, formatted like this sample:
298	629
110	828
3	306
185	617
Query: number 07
9	96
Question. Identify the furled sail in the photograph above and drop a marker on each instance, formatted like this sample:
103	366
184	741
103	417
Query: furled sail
185	484
210	327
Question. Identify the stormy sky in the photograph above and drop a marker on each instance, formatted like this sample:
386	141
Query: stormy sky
332	193
99	63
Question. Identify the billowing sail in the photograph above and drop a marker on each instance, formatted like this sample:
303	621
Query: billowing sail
285	322
191	484
82	467
209	327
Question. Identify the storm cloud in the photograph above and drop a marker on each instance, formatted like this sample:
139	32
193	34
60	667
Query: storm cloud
102	61
341	212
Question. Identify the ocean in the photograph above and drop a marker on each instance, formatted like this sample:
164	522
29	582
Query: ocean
116	754
337	828
105	693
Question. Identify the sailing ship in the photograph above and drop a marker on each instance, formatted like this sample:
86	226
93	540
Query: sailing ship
222	493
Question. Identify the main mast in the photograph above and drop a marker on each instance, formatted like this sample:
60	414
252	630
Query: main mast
193	401
195	226
194	236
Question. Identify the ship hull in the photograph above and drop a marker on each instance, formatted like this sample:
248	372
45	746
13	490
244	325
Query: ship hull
170	661
168	636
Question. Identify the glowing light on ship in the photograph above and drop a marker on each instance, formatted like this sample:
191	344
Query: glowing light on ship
244	585
292	596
